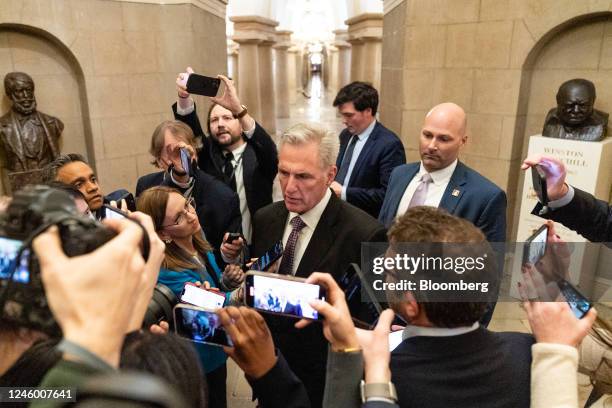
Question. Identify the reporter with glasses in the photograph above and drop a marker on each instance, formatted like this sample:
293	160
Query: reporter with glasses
189	258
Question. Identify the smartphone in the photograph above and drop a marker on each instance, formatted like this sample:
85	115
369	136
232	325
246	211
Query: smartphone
538	179
364	311
264	262
186	160
122	195
282	294
200	326
8	261
535	246
201	297
579	304
203	85
232	236
113	213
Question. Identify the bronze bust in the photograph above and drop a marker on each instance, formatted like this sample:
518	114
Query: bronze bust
29	138
574	117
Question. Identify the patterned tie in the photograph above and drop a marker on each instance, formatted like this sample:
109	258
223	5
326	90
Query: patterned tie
420	193
228	170
286	266
346	160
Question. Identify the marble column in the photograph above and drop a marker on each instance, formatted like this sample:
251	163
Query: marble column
256	35
344	57
365	35
232	62
332	58
283	86
292	73
267	93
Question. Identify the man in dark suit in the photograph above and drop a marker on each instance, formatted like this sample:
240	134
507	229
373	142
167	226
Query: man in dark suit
238	151
440	180
216	205
368	150
447	359
319	232
572	207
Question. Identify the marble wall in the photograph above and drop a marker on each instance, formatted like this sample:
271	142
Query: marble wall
501	60
107	69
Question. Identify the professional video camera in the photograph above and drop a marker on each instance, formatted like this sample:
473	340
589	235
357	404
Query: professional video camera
31	211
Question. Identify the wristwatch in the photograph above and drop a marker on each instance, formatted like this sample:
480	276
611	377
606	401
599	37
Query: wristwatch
378	390
240	114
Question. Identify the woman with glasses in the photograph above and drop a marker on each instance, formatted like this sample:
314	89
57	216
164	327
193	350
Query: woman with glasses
189	258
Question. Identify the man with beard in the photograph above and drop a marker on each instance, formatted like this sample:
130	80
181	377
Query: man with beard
238	151
29	138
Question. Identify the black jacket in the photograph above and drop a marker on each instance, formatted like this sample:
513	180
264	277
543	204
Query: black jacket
585	214
216	204
259	161
335	244
476	369
382	152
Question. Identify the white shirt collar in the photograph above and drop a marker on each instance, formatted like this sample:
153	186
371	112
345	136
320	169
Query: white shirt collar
367	131
239	150
414	331
312	216
441	176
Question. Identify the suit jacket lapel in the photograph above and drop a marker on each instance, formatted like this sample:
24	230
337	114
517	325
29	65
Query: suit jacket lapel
322	239
366	151
454	189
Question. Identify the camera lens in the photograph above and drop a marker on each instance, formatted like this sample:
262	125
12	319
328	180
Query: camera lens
160	307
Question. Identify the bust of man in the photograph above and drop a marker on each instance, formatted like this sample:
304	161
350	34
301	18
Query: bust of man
29	139
574	117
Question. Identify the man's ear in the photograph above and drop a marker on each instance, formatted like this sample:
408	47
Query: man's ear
410	306
331	174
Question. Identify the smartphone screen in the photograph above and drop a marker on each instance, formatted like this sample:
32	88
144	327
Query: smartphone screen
199	326
113	213
202	297
280	295
579	304
203	85
185	160
264	262
8	254
535	246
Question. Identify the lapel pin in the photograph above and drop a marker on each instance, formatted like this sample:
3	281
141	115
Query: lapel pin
455	193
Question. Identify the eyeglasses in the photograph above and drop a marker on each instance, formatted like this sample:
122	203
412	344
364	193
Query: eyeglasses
189	208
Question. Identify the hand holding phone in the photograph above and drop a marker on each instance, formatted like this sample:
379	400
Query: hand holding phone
282	294
264	262
254	353
535	246
202	85
113	213
199	325
201	297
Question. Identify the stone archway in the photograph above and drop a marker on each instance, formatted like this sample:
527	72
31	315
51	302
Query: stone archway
59	80
579	47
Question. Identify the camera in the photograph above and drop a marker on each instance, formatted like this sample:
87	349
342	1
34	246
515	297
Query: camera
31	211
160	307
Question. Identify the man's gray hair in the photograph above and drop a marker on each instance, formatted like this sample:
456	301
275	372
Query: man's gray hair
303	133
51	169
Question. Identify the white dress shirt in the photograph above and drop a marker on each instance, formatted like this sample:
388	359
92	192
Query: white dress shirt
435	191
362	138
238	174
311	219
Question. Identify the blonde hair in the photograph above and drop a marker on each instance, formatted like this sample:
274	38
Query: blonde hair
303	133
